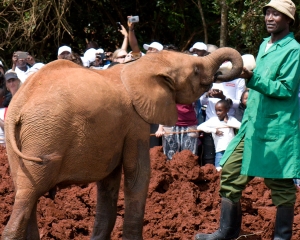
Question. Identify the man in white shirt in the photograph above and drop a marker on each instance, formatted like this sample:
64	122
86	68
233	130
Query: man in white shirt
20	65
232	90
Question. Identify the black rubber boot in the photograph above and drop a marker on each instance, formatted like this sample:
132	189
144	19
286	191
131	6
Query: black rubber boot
284	223
230	222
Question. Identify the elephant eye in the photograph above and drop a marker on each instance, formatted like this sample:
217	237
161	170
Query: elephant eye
197	70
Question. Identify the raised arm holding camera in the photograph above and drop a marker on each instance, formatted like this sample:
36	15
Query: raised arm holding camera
133	43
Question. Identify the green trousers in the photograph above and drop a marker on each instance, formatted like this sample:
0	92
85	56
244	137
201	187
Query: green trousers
283	191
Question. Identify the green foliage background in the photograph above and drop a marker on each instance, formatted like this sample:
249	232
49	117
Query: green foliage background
41	26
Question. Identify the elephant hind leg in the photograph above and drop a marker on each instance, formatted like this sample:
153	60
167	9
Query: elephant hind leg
23	217
32	228
31	181
106	210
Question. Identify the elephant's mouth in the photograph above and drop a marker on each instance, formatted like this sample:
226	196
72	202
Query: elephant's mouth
206	86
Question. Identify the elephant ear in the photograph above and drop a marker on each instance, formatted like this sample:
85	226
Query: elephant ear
151	90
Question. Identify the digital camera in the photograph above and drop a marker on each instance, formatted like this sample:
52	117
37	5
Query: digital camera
104	57
22	55
101	55
119	26
133	19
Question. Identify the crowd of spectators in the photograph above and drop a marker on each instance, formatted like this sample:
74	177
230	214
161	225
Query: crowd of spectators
184	135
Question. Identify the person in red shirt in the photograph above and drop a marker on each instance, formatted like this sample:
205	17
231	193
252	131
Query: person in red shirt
183	135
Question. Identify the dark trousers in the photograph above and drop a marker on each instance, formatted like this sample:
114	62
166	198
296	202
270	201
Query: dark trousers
283	191
154	141
209	152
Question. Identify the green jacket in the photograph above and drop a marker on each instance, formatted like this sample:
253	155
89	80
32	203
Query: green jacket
270	124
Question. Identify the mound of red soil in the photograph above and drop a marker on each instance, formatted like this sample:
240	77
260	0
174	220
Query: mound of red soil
183	199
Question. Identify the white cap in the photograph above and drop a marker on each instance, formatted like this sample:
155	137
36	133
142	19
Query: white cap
64	49
155	45
90	55
199	46
85	62
99	50
35	68
225	68
249	61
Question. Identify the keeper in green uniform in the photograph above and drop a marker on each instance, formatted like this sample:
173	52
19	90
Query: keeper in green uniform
268	143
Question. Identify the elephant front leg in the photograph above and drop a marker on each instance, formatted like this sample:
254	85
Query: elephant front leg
106	210
136	182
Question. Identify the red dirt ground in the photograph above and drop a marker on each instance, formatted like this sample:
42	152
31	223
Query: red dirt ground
183	200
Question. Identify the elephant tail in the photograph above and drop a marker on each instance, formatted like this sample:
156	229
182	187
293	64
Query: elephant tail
13	143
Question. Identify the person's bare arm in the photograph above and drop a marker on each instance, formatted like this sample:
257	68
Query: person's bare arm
133	43
125	41
160	131
14	61
247	74
2	124
30	60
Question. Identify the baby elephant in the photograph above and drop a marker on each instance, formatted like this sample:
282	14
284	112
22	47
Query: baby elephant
72	125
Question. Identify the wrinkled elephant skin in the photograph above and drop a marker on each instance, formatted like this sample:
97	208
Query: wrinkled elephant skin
71	125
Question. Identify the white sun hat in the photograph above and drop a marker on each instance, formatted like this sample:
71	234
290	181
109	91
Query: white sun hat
64	49
225	68
249	61
199	46
99	50
155	45
90	55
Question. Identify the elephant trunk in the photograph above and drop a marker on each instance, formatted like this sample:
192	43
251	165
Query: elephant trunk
215	60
